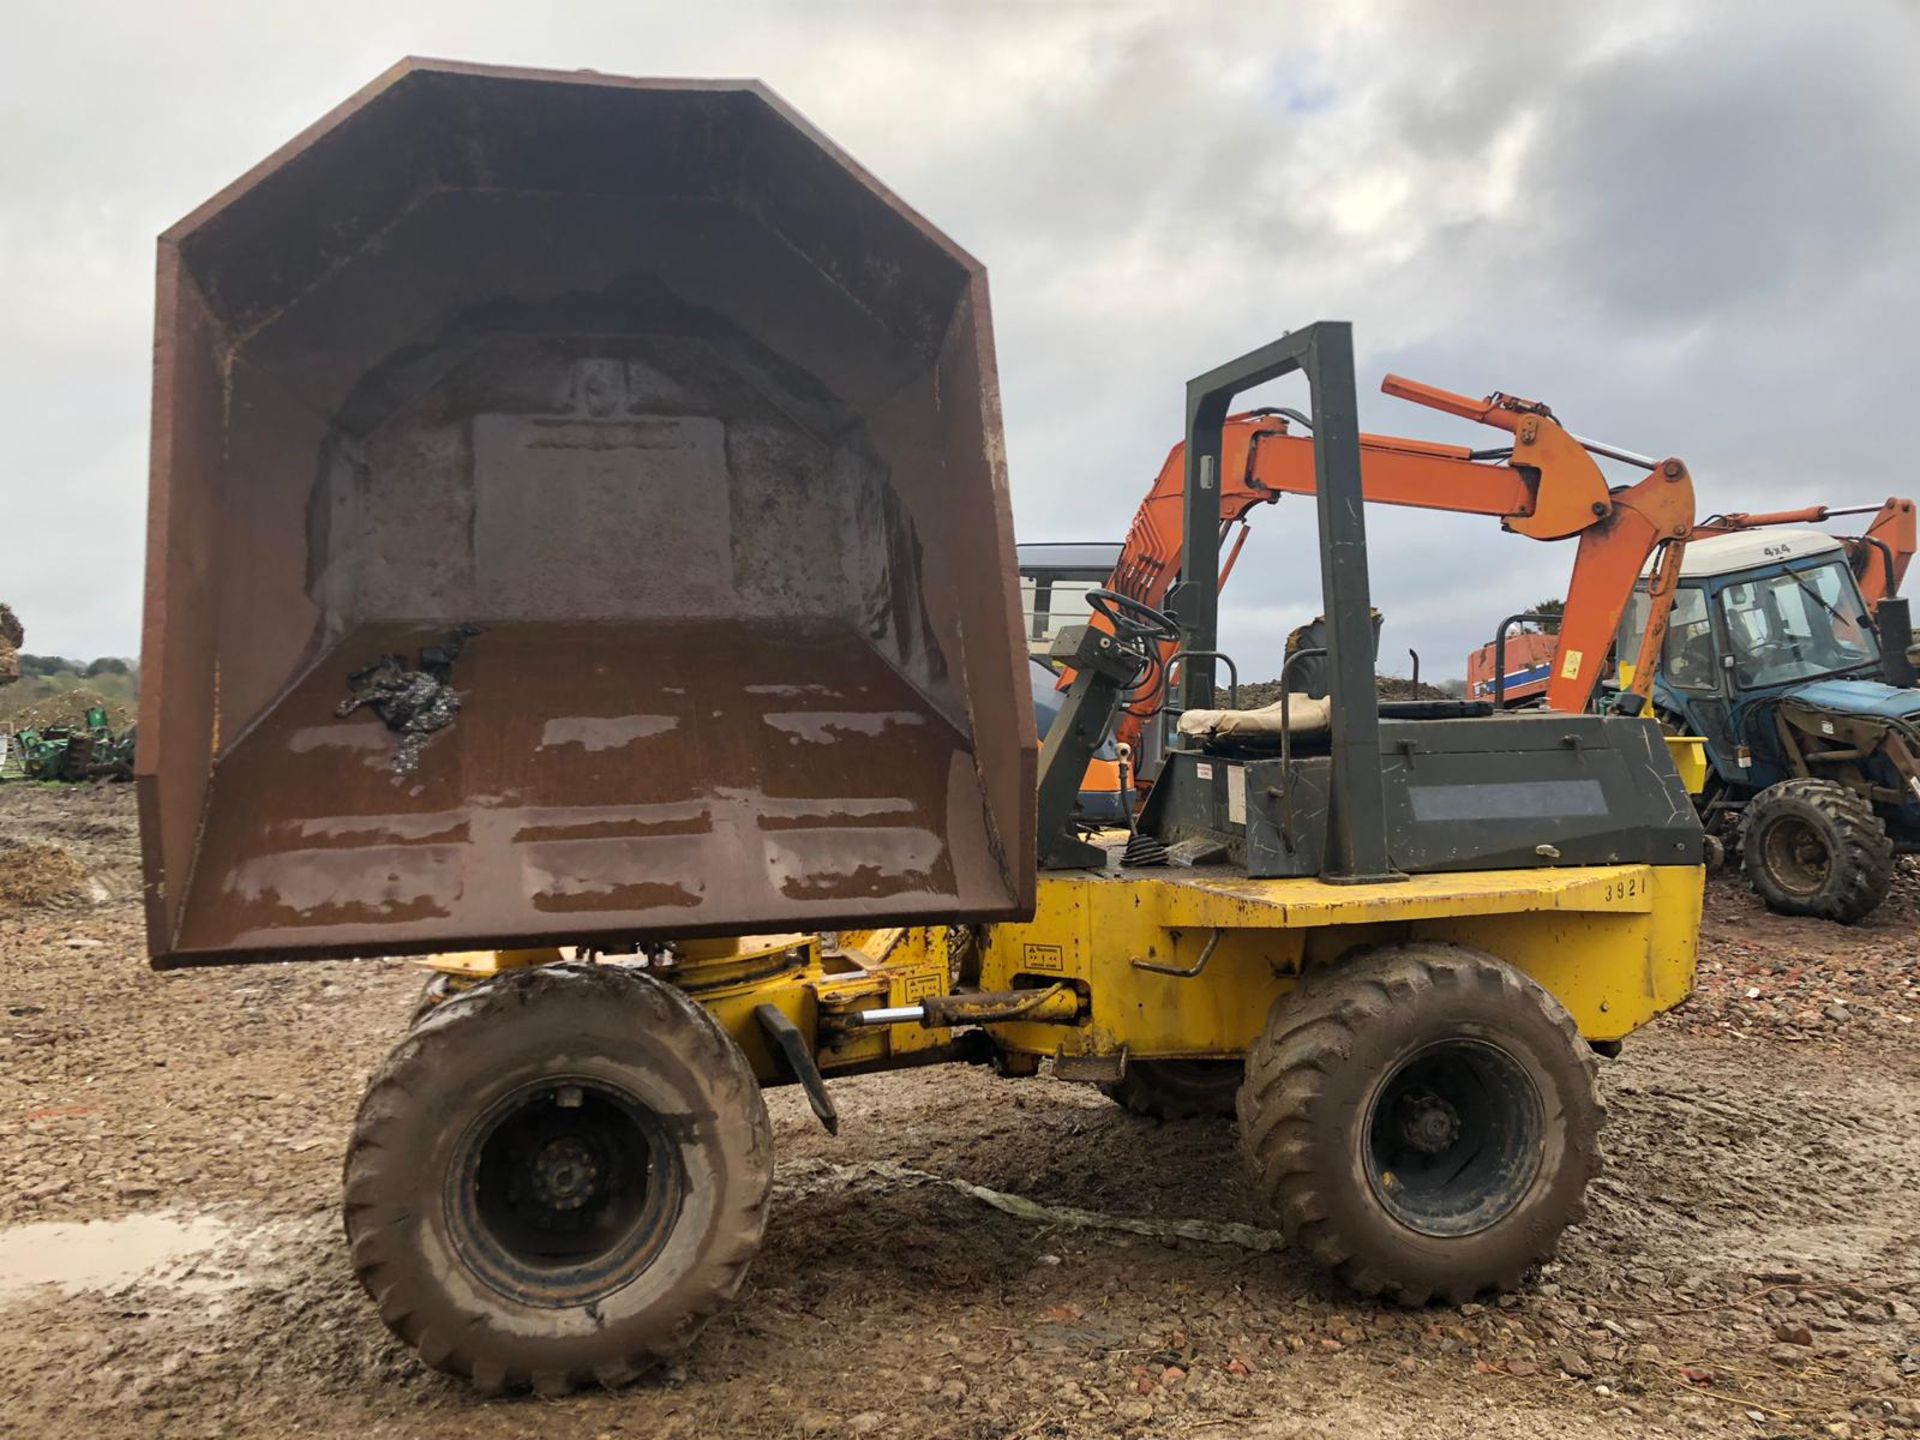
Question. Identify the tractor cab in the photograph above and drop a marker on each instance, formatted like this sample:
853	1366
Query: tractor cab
1756	617
1804	697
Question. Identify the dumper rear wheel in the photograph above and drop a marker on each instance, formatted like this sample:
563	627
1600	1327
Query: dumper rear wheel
1178	1089
557	1178
1425	1120
1812	847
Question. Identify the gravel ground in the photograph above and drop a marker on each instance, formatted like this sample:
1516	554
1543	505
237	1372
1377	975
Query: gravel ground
1750	1265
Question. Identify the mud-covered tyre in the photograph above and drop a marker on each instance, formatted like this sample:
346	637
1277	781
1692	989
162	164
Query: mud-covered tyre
1812	847
557	1178
1178	1089
1713	853
439	989
1424	1119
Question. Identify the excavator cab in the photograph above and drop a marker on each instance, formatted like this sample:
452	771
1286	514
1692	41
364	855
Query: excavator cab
1055	583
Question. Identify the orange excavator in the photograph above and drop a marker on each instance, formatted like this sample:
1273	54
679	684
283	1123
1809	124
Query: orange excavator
1545	485
1517	669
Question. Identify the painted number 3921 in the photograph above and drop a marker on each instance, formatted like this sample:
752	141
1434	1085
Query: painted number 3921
1625	889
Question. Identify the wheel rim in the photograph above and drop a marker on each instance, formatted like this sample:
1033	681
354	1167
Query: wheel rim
1453	1138
564	1191
1795	856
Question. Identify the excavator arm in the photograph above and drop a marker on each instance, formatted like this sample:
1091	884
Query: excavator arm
1879	558
1546	486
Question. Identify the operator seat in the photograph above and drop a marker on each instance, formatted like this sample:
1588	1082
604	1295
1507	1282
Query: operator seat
1301	715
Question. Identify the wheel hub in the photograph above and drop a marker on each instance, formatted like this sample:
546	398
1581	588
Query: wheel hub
565	1174
562	1193
1427	1122
1796	856
1454	1137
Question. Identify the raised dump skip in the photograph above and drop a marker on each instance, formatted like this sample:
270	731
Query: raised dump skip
670	438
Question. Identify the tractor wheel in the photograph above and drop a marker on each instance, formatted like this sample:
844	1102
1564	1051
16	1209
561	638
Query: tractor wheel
1812	847
557	1178
1713	853
1178	1089
1424	1118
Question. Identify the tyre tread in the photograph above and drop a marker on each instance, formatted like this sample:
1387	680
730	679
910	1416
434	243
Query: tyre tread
669	1017
1865	860
1310	1031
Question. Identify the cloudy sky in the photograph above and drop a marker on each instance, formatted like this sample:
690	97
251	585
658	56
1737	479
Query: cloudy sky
1694	229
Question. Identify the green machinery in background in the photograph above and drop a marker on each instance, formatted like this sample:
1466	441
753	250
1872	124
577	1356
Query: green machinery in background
69	752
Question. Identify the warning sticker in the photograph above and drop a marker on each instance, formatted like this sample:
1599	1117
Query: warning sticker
911	988
1203	771
1236	794
1049	958
1570	667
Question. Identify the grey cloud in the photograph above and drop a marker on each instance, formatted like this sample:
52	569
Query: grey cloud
1680	190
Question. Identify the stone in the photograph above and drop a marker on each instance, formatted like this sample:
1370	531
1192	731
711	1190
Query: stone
1574	1363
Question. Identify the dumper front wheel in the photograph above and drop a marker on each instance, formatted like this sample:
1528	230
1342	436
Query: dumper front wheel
1424	1118
557	1178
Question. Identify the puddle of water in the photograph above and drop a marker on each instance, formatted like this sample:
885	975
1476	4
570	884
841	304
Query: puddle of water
102	1254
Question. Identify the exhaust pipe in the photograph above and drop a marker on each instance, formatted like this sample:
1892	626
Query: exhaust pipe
1893	618
578	512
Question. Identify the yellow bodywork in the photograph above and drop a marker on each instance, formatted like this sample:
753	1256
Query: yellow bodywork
1615	944
813	983
1181	964
1689	754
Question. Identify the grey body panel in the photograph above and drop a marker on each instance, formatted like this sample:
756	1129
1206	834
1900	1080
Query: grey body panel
1508	792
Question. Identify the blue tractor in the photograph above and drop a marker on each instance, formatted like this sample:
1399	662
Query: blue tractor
1807	704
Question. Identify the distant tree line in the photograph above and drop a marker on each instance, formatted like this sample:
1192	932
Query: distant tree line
60	665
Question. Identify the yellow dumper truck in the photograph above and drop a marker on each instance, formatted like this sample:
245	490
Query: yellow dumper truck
581	535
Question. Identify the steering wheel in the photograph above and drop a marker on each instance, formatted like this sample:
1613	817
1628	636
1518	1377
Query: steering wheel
1770	655
1131	619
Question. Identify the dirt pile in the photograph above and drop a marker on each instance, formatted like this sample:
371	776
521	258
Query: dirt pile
33	872
49	833
25	710
1257	693
12	637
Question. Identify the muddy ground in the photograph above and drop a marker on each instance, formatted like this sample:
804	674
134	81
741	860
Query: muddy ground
1751	1265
